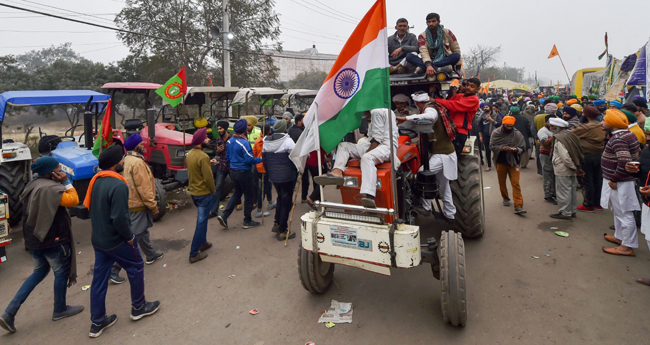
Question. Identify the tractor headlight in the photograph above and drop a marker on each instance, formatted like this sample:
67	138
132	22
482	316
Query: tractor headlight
378	184
365	218
350	181
441	77
467	149
181	153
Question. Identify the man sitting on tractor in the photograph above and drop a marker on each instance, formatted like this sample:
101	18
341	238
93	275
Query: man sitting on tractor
442	159
438	46
402	106
372	151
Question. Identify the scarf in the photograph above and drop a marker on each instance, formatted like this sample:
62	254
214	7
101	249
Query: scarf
241	136
436	45
103	173
572	144
446	120
512	139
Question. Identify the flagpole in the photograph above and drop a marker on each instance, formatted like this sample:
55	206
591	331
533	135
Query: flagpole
567	73
320	160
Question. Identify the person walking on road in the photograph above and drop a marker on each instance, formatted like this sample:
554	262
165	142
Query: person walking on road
545	137
260	173
223	167
618	185
507	144
202	190
567	158
592	140
48	236
490	120
113	241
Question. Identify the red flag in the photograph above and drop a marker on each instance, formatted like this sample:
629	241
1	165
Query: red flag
181	75
210	82
107	130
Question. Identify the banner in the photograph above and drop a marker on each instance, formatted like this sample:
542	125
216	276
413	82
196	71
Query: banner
615	90
647	71
638	74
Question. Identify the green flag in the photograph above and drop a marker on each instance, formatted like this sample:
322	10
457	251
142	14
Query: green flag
174	89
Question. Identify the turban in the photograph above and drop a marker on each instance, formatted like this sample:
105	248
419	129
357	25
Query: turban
420	97
482	104
240	126
617	104
223	124
631	118
592	97
46	164
542	100
572	101
400	97
287	115
515	110
508	120
641	102
132	141
250	119
591	112
573	96
199	136
615	118
110	157
527	99
280	126
560	105
550	108
571	111
548	117
598	103
554	121
577	107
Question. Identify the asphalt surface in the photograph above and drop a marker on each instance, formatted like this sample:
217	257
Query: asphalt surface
577	294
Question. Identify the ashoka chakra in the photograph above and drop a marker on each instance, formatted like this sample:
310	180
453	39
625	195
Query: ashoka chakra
346	83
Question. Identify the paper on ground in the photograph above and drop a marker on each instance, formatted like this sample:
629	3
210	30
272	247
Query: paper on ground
338	312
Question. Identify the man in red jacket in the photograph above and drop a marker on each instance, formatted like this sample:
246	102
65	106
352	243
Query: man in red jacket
461	111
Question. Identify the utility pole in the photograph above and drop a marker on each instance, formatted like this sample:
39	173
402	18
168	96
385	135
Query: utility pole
226	44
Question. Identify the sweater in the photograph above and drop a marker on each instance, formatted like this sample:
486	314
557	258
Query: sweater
622	147
239	154
201	180
408	44
450	45
109	213
461	111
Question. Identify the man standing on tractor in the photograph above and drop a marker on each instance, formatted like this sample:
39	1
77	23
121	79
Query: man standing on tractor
48	236
223	167
372	151
438	46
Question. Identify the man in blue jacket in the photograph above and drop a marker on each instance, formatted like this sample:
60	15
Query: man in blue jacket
240	156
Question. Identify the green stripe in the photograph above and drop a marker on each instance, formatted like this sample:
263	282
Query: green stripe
373	93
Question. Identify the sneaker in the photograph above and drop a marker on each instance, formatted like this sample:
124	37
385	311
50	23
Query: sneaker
198	257
250	224
148	308
583	208
272	205
560	216
519	210
506	202
205	247
223	221
151	261
550	201
283	235
258	214
598	208
275	228
70	310
116	279
368	201
96	330
7	322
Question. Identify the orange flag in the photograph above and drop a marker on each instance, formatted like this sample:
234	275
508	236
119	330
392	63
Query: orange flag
554	52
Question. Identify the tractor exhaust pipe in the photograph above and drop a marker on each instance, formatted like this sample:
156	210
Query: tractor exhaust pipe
88	125
151	123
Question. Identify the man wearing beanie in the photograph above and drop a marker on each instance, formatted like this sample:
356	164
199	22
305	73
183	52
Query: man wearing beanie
507	144
202	190
142	201
570	115
567	158
223	167
618	185
241	159
113	241
592	141
48	236
523	126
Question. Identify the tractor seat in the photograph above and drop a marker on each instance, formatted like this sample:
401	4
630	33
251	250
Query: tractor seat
133	124
355	163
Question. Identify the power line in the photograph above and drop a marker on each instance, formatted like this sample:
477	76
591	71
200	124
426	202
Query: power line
74	44
307	33
63	9
324	14
54	31
94	50
334	10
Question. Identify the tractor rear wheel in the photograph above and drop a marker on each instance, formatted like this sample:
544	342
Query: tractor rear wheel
452	278
12	182
315	275
161	199
467	192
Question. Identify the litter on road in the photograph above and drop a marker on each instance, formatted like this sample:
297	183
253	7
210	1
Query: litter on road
487	187
165	265
549	255
330	324
180	230
562	233
535	257
254	312
79	253
85	287
237	247
338	312
232	276
554	228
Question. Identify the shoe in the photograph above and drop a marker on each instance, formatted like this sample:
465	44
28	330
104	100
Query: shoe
612	227
519	210
223	221
198	257
583	208
303	201
258	214
70	310
151	261
283	235
212	215
506	202
560	216
148	308
7	322
96	330
116	279
574	215
250	224
598	208
205	247
272	205
368	201
550	201
239	207
275	228
311	205
445	69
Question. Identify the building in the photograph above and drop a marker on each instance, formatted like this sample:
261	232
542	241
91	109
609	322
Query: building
291	63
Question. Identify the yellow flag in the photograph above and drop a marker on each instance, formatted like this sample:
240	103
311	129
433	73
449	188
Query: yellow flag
554	52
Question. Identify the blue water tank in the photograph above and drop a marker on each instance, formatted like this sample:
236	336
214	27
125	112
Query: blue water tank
79	163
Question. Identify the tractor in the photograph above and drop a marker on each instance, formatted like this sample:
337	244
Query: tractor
299	100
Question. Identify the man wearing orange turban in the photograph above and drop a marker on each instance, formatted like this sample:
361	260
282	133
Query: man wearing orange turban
507	144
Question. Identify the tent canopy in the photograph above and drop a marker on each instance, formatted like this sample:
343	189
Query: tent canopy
49	97
507	85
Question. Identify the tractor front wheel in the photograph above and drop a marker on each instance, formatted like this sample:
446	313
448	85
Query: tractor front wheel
452	278
12	182
161	199
315	275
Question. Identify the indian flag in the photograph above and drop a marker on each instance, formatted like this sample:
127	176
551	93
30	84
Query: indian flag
357	82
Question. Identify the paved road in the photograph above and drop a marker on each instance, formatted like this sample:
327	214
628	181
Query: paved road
577	295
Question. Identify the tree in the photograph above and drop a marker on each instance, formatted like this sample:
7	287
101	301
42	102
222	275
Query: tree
31	61
252	22
481	57
311	80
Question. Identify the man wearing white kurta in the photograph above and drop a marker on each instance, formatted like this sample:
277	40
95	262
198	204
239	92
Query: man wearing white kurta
442	155
372	151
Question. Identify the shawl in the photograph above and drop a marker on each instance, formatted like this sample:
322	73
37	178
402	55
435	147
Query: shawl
513	139
103	173
572	143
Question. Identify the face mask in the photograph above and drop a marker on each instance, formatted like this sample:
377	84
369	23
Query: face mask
507	131
119	168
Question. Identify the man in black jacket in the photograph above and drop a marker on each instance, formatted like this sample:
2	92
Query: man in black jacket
112	239
48	236
401	44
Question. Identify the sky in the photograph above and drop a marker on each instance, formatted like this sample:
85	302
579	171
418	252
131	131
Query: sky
526	30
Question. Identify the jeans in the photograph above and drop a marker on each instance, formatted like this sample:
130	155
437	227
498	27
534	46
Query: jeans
218	182
203	204
593	180
57	258
127	256
452	59
305	184
268	189
283	208
241	182
488	152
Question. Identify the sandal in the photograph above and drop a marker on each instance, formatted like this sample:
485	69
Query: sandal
615	251
329	179
644	281
311	204
612	239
